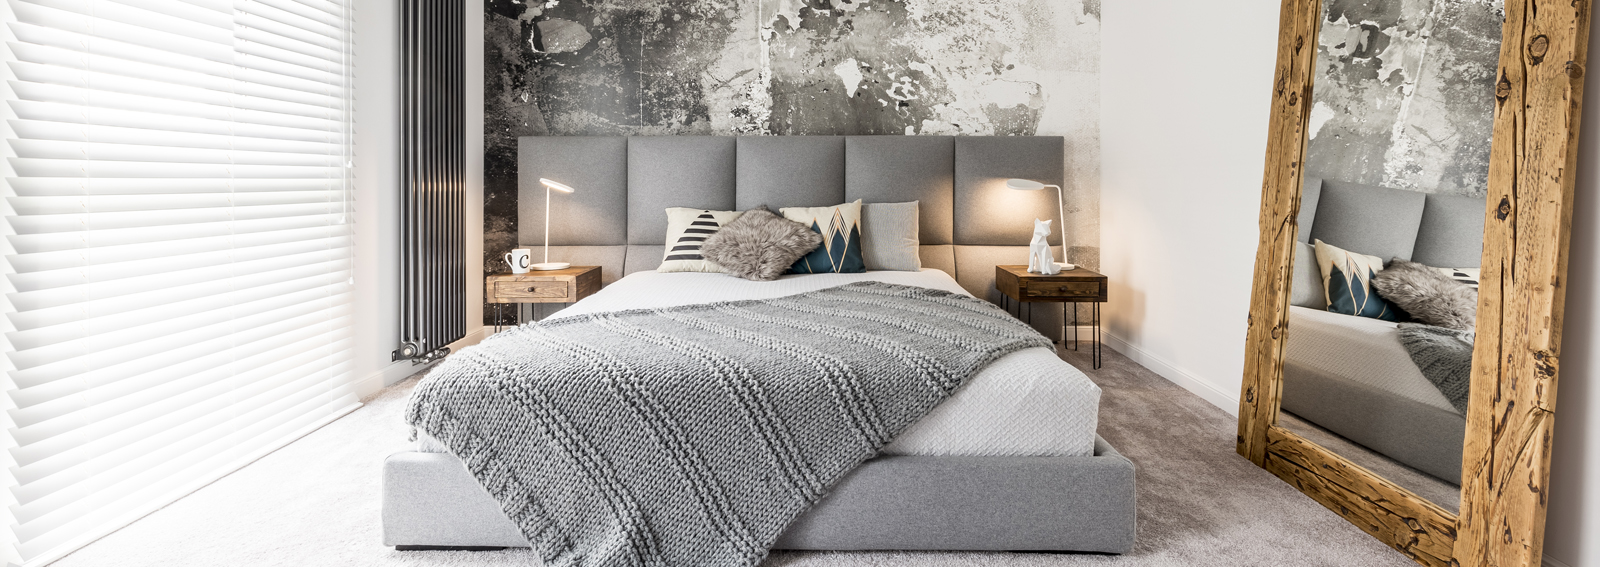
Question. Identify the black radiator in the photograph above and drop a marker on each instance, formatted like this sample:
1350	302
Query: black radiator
432	161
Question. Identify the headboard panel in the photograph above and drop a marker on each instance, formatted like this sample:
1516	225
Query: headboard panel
598	167
989	214
790	171
970	221
896	169
673	171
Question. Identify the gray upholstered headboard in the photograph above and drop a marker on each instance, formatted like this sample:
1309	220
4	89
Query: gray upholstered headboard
1438	230
616	219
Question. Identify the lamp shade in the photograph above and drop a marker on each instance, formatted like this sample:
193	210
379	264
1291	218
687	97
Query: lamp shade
562	187
1024	185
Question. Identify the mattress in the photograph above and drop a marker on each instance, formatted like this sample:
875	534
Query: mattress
1360	349
1029	403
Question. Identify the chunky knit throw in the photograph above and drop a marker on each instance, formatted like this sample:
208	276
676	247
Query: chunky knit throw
693	435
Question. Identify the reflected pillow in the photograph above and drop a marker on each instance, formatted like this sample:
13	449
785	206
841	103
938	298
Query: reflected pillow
1468	276
1427	295
687	231
1305	287
1347	277
889	239
840	227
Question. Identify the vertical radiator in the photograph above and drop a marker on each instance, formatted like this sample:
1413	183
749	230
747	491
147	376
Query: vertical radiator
432	161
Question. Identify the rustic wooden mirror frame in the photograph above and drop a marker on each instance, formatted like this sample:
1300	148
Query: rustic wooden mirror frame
1506	458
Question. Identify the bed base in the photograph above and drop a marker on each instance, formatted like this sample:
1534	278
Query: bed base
1083	504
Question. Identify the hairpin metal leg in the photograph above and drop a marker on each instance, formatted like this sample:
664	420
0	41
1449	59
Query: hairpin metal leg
1074	326
1098	359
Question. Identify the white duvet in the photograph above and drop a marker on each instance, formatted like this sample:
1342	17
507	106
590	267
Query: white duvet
1028	403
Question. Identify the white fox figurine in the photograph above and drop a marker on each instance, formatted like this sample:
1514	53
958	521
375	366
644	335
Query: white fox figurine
1040	259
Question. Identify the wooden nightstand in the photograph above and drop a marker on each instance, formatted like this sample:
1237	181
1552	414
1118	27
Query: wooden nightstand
1070	286
554	286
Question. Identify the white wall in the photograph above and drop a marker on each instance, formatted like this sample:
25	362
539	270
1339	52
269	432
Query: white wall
1183	140
377	189
1185	89
1574	492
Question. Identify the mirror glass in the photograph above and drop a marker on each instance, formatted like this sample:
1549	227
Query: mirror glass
1383	296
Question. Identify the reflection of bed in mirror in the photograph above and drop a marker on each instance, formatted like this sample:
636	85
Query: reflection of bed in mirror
1351	375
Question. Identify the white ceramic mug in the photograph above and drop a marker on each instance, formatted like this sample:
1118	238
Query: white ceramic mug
519	259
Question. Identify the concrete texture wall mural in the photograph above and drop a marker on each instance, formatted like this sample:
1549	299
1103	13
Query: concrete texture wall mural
1404	93
793	67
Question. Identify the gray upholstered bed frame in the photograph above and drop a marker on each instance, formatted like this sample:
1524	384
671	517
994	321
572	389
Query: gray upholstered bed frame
969	223
1437	230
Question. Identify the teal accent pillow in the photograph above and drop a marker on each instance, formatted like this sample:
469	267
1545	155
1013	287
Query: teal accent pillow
1347	277
840	227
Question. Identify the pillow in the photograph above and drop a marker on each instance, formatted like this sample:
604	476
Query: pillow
1428	295
1468	276
687	230
1305	287
889	238
759	245
840	227
1347	277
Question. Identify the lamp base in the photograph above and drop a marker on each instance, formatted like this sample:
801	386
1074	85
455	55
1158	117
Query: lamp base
547	266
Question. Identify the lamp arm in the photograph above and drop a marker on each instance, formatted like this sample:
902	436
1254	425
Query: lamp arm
1061	209
547	224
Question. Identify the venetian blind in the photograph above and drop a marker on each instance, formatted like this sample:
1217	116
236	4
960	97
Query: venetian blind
180	253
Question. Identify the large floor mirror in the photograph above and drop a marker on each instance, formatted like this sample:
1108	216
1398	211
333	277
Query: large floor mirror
1405	319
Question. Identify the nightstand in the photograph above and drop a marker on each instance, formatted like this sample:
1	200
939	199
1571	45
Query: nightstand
1070	286
554	286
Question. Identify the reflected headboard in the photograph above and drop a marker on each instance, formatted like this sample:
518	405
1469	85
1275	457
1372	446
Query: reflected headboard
616	219
1445	231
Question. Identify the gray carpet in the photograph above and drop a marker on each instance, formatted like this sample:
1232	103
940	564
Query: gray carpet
315	502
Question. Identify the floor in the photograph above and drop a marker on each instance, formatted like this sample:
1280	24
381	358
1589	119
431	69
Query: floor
315	502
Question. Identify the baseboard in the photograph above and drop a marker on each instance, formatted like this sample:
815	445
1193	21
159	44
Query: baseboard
1228	401
1548	562
400	370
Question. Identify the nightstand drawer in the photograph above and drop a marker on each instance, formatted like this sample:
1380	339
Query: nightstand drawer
540	290
1061	289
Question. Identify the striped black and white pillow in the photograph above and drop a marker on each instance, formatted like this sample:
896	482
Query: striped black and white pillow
1467	276
687	231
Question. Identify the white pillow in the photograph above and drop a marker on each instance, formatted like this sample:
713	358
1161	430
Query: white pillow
889	239
687	230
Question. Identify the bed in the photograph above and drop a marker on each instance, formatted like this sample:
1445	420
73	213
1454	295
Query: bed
1350	375
1009	462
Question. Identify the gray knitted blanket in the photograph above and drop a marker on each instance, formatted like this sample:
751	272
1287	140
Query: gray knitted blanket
693	435
1445	358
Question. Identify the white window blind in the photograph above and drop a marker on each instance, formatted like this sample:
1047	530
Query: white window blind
178	270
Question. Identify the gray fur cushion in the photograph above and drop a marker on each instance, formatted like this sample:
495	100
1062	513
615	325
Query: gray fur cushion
1428	295
760	245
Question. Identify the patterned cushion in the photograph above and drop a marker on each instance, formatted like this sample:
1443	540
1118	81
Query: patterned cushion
1467	276
840	227
687	230
1347	277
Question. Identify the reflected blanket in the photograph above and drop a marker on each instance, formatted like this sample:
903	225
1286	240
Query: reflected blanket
693	435
1444	356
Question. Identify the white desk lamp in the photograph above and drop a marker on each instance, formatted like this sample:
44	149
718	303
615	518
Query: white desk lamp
547	264
1061	209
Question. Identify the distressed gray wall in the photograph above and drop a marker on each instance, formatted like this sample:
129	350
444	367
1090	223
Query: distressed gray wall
793	67
1404	93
